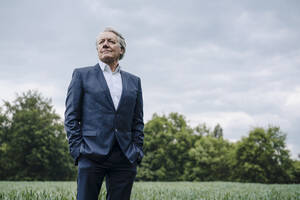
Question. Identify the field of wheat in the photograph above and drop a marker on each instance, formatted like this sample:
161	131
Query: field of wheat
155	191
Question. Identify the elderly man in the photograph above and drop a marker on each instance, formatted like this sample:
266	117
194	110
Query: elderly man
104	122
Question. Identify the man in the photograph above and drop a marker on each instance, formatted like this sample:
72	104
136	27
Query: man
104	122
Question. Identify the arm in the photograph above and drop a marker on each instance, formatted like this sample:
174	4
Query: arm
73	115
138	123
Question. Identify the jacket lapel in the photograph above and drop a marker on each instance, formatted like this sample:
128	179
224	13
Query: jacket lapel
102	82
124	89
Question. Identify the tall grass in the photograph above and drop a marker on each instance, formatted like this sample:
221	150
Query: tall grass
155	191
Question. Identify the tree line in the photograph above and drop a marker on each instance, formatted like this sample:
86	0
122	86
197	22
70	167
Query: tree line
174	151
33	146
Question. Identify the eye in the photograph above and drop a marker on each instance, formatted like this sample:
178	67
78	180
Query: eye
111	41
101	42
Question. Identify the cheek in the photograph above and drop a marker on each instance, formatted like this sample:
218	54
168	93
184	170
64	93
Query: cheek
98	51
119	50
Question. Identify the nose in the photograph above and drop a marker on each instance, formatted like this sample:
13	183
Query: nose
105	43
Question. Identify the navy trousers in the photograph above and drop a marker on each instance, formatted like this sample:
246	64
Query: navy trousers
119	176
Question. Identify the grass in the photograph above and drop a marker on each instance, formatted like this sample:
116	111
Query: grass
155	191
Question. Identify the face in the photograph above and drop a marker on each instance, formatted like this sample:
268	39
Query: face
108	47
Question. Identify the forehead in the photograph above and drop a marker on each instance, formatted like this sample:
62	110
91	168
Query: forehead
107	35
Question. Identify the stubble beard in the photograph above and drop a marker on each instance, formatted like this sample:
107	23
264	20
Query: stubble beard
108	60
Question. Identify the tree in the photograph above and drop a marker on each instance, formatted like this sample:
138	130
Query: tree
295	172
209	160
33	145
176	152
202	130
218	131
263	157
166	145
4	161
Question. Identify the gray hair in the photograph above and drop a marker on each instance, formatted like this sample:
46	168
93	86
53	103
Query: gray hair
121	40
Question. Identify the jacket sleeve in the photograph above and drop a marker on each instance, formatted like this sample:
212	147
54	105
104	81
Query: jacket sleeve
73	115
138	123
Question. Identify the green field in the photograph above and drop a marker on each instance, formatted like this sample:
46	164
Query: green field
155	191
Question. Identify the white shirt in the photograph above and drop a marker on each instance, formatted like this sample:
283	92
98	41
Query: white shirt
114	82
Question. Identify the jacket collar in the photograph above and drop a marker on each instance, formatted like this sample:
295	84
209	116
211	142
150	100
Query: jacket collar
103	84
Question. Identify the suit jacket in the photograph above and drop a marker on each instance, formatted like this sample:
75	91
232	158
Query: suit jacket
93	124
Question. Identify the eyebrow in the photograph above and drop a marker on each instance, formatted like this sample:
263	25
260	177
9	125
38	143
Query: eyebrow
107	38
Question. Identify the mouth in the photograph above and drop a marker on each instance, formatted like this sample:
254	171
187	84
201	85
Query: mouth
106	51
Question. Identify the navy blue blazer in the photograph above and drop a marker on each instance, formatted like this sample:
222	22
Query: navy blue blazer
93	124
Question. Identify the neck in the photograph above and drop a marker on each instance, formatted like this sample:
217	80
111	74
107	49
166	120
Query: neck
113	66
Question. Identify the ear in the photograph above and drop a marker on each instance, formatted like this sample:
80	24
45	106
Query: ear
122	51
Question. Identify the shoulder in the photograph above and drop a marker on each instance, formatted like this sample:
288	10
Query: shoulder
131	76
83	70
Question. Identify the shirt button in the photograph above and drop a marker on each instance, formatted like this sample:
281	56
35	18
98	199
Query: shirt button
116	130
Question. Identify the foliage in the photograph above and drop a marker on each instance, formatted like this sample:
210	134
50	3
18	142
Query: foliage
176	152
33	144
165	144
295	172
218	131
156	191
263	157
209	159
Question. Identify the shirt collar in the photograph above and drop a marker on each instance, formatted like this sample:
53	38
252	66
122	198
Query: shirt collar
105	67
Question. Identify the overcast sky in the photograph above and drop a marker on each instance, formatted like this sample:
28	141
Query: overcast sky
236	63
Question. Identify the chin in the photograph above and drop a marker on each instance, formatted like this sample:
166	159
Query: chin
107	60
